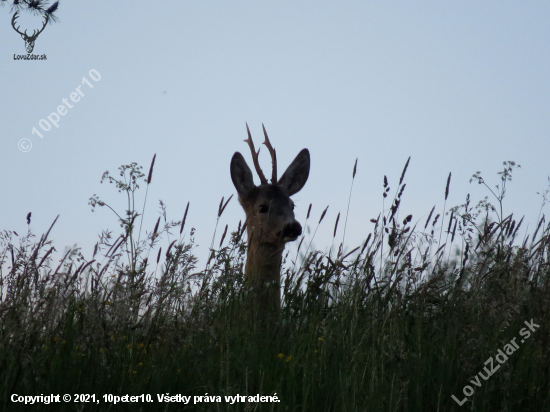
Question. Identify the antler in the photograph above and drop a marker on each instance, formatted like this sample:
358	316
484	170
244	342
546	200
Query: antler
13	24
43	27
273	157
255	157
256	154
34	33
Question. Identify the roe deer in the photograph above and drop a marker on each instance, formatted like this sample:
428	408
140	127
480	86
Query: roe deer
270	221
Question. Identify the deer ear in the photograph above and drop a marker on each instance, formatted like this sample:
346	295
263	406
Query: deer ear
295	176
241	175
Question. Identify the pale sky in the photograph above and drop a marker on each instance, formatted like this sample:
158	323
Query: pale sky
459	86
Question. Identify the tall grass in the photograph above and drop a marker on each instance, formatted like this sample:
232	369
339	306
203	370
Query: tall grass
401	323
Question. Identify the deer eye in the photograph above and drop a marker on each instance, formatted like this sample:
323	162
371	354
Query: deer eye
263	209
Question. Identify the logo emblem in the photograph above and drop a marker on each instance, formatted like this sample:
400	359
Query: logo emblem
29	40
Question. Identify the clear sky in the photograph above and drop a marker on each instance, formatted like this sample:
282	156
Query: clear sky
459	86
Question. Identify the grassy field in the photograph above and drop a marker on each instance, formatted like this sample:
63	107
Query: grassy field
458	305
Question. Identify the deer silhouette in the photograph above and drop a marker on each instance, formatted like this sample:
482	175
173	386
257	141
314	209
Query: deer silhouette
29	40
270	221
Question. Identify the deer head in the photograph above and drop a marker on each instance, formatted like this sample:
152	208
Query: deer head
269	215
29	40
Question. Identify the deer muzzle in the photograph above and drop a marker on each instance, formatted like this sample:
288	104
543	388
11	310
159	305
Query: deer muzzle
291	231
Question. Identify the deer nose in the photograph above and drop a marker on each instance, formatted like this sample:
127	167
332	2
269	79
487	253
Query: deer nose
292	230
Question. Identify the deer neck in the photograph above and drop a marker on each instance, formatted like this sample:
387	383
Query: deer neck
263	262
263	275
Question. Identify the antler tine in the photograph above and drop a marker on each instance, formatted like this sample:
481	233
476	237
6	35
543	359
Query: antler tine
44	26
15	16
273	157
255	157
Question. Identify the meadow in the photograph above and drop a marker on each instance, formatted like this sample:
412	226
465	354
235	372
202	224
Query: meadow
448	314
